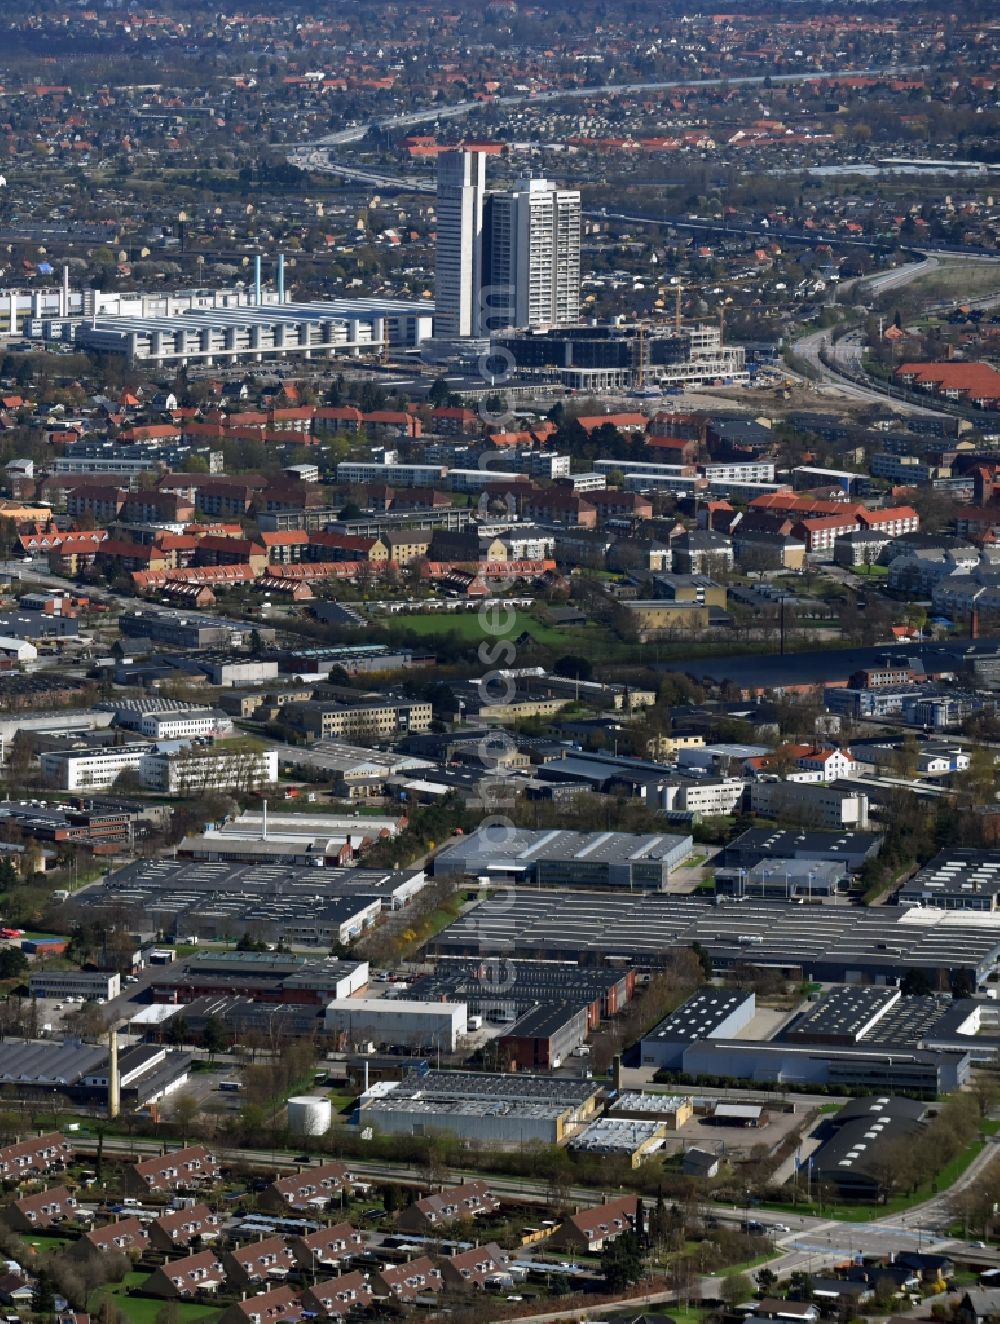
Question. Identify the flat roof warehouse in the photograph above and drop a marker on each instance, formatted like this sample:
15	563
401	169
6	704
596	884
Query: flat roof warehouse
839	944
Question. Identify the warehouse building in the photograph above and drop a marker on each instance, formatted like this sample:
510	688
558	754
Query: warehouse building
42	1068
502	1111
332	329
919	1071
622	1137
852	849
544	1037
956	879
712	1013
223	900
268	977
559	858
853	1161
844	1016
501	990
397	1023
92	985
836	944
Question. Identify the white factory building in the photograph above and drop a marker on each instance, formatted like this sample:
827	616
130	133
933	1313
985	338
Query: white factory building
394	1021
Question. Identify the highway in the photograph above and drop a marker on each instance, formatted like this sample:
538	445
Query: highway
317	155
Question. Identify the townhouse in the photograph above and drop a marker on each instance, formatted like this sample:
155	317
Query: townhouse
182	1227
280	1304
29	1158
123	1236
188	1276
476	1267
326	1248
254	1264
406	1282
594	1229
448	1206
311	1187
182	1167
336	1297
41	1210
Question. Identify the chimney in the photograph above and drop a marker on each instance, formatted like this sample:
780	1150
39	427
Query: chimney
256	281
64	294
281	278
114	1083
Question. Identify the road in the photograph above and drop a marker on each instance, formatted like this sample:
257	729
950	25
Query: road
317	155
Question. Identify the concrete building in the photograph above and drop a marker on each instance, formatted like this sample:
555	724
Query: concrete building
461	192
810	802
507	1111
89	984
531	257
560	858
710	1014
397	1022
958	878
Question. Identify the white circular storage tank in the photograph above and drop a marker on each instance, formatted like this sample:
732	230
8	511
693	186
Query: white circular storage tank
309	1115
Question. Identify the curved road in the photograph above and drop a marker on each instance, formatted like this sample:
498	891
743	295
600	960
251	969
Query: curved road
316	155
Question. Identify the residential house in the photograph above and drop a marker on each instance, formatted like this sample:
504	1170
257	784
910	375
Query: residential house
406	1282
124	1235
32	1213
188	1276
448	1206
795	1312
274	1307
594	1229
326	1248
311	1187
335	1297
29	1158
253	1264
475	1267
182	1167
183	1227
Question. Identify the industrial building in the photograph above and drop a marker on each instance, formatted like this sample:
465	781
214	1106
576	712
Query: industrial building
852	1160
852	849
267	977
838	944
307	907
397	1022
621	1137
501	990
40	1068
254	334
560	858
505	1111
957	878
711	1013
92	985
543	1038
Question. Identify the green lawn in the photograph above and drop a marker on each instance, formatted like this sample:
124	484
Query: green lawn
144	1310
864	1213
44	1243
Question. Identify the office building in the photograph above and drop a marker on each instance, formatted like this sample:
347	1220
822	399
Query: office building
531	257
461	190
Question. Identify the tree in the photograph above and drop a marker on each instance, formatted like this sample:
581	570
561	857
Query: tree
573	667
915	983
736	1287
214	1035
43	1298
622	1262
766	1280
185	1110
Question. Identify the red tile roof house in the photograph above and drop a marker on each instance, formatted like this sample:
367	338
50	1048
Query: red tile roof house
125	1235
253	1264
26	1158
186	1277
405	1282
593	1229
447	1206
326	1248
333	1298
475	1267
265	1308
313	1186
40	1210
181	1227
182	1167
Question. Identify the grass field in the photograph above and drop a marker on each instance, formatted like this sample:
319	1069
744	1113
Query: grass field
144	1310
864	1213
